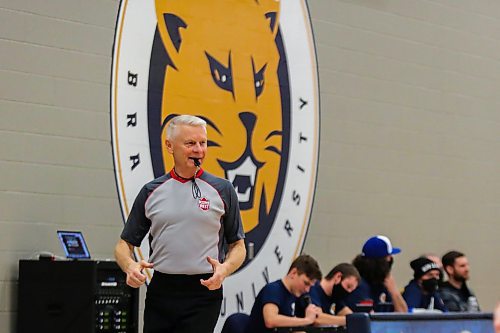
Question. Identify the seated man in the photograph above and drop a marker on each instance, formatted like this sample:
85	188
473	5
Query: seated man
275	303
377	288
455	292
330	294
422	292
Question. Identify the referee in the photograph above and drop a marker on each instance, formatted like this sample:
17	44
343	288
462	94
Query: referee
192	217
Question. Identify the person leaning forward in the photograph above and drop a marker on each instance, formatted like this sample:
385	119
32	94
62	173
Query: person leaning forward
377	286
276	302
191	217
330	294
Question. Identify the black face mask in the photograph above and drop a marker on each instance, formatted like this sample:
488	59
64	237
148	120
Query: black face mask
339	292
430	285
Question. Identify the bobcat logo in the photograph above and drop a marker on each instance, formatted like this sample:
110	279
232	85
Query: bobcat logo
224	61
223	65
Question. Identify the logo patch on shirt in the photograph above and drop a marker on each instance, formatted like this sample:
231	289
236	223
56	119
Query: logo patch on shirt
332	308
204	204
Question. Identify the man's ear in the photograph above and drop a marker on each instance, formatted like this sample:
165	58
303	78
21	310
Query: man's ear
449	270
170	28
337	278
169	145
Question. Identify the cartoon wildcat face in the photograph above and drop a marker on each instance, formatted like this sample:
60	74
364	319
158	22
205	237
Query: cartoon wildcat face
224	65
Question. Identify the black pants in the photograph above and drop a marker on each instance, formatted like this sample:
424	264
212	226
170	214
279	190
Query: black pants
177	303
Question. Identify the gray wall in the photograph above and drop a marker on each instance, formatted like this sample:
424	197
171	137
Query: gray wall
56	166
410	132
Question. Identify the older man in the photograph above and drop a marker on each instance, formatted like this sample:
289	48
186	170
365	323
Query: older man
191	217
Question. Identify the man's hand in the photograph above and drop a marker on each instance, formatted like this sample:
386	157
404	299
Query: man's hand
220	273
312	312
135	276
397	299
390	283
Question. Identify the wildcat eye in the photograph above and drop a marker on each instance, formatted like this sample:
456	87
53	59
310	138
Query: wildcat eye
258	79
221	74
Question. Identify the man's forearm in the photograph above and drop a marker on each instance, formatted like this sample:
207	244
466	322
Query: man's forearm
328	319
286	321
123	254
399	302
235	256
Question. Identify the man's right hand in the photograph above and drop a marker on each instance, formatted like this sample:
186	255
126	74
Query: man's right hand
135	275
312	312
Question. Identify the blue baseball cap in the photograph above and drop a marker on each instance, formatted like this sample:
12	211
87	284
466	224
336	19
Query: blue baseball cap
379	247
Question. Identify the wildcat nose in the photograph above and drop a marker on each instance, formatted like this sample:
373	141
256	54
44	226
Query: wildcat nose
248	119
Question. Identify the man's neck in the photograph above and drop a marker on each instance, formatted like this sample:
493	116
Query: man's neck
186	173
455	283
327	289
287	283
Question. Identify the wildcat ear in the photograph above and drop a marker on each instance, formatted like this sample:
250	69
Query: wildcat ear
169	27
271	9
272	17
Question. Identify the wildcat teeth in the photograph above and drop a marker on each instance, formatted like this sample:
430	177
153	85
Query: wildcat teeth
249	169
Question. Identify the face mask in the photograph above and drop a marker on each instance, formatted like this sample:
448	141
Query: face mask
339	292
430	285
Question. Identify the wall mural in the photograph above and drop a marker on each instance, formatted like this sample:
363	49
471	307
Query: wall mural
248	68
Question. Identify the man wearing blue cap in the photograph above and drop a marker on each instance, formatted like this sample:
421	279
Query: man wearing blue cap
377	289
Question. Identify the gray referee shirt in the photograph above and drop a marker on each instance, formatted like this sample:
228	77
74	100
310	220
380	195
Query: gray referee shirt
184	230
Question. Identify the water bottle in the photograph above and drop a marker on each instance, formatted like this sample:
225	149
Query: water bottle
472	305
250	251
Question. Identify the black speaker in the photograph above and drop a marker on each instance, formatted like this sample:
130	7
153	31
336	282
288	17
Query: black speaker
75	296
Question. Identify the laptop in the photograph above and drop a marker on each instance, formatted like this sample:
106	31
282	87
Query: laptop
73	244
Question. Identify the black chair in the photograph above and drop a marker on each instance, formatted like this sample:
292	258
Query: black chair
236	323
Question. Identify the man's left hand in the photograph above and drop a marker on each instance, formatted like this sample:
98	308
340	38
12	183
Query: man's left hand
220	273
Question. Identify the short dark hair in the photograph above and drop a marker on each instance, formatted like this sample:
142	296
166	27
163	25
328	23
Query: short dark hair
305	264
449	258
345	269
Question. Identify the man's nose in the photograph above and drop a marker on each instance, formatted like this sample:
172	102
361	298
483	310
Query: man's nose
197	147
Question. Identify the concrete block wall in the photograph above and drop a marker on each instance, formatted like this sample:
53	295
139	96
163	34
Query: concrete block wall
410	132
56	166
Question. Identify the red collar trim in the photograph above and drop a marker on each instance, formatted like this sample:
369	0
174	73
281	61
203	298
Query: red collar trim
183	180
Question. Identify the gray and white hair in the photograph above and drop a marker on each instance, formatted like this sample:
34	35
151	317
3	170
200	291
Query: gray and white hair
184	119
